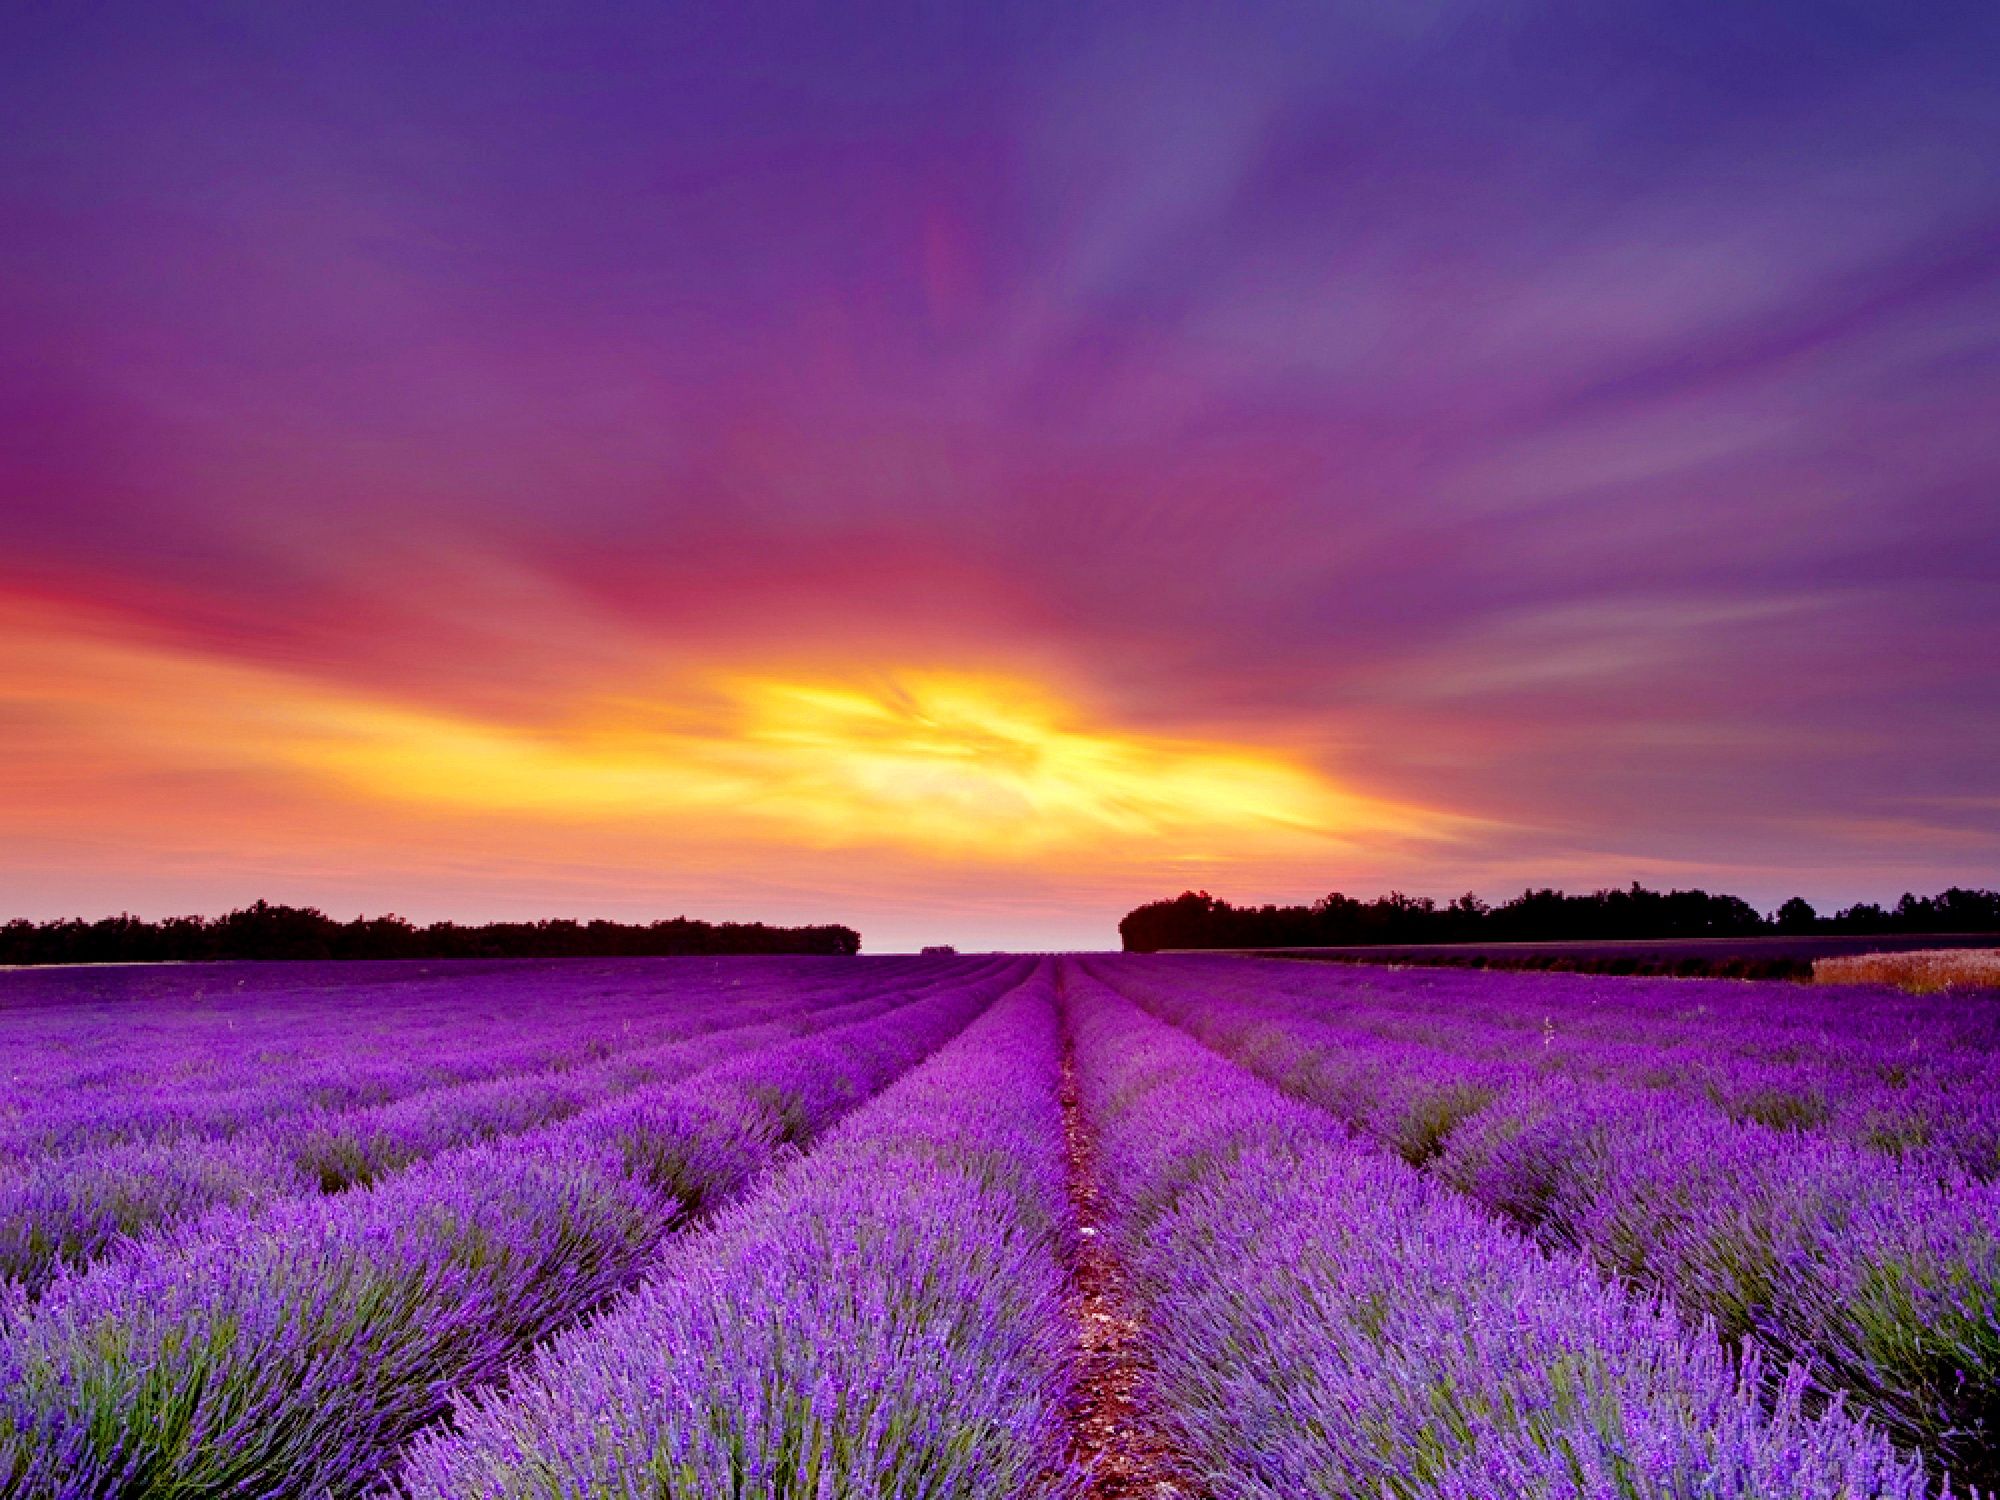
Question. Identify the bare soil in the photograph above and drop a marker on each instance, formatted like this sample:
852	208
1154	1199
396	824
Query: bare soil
1127	1455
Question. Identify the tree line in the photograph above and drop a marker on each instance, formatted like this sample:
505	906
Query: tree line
266	931
1195	919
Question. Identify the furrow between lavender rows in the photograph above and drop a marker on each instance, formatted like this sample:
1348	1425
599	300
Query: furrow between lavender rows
62	1214
1882	1279
293	1352
1322	1320
886	1319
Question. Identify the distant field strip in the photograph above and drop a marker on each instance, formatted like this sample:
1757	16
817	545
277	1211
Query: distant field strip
1924	973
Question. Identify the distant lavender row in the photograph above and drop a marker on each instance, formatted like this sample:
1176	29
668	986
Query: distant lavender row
1850	1026
886	1321
1882	1069
328	1067
293	1352
66	1211
1881	1276
216	1022
213	1024
1324	1322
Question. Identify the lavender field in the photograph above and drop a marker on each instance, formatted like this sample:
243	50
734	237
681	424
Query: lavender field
988	1227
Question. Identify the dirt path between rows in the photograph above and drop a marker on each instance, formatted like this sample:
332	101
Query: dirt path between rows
1127	1456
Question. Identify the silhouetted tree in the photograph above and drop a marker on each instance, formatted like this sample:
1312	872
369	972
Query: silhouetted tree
1796	916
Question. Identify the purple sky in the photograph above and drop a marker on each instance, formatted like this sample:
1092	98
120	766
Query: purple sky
1489	444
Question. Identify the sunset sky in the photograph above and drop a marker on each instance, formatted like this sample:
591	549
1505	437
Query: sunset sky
963	471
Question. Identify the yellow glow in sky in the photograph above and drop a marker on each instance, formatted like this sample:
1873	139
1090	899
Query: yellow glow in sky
969	768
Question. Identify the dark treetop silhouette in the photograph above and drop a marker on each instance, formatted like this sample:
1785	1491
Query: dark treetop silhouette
1196	919
262	930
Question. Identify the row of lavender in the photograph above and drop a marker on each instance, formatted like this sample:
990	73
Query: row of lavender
213	1027
214	1053
1879	1275
293	1347
62	1212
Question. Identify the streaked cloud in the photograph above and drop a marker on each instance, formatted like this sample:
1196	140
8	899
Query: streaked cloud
1008	460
